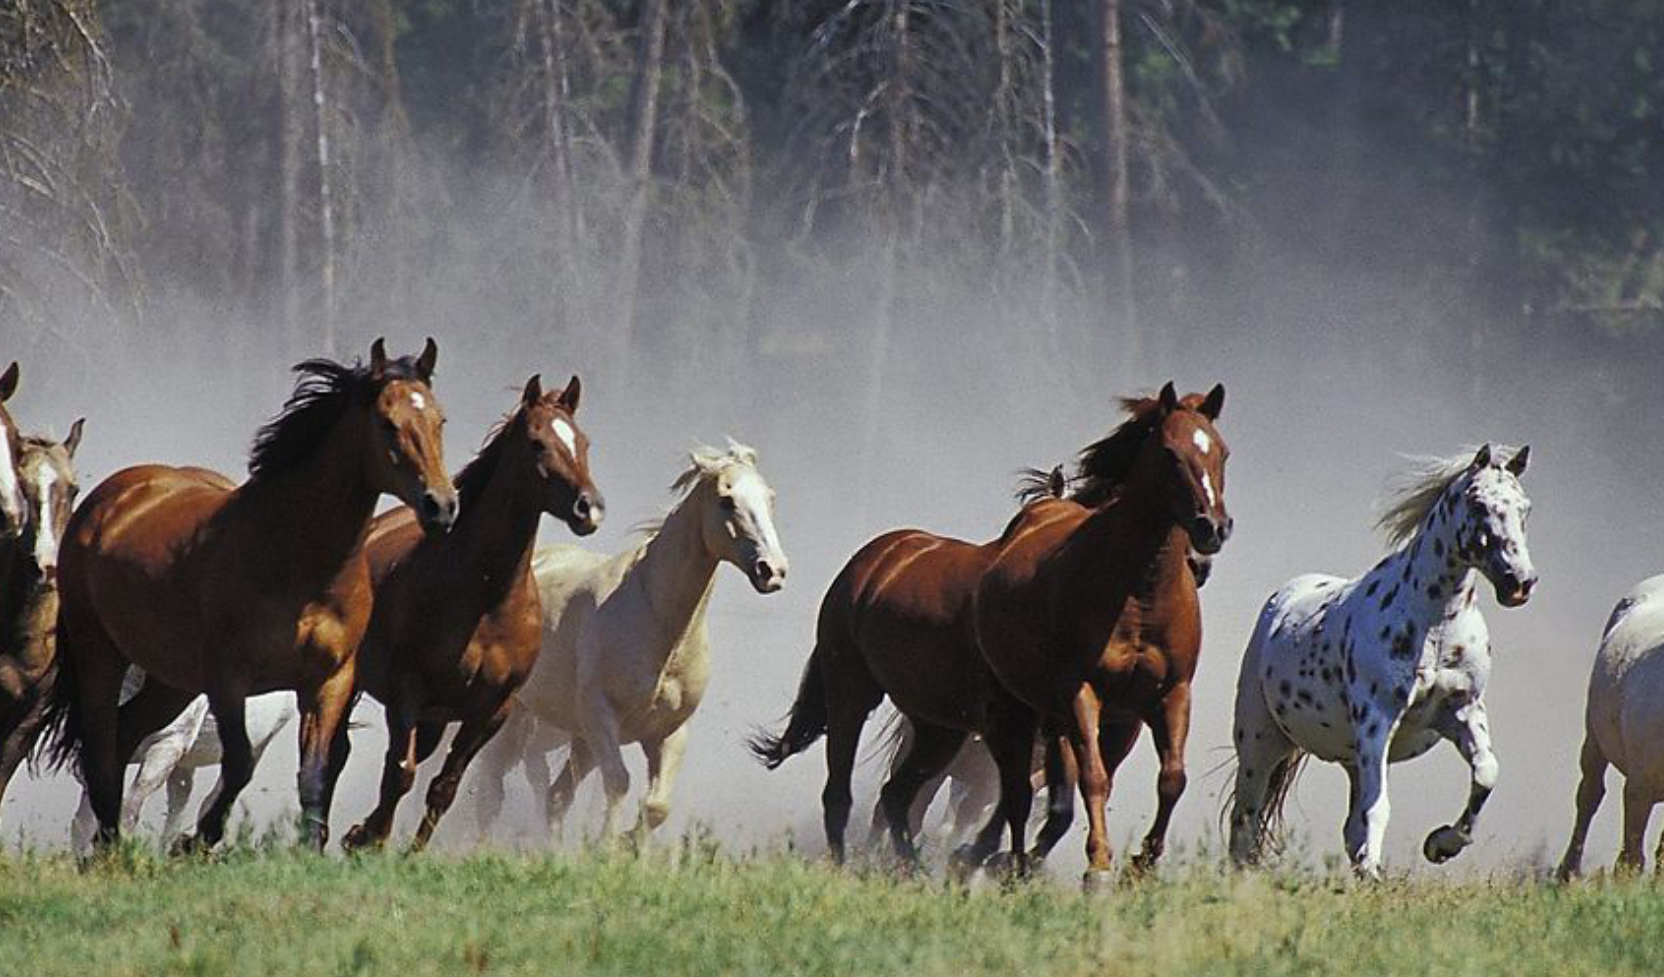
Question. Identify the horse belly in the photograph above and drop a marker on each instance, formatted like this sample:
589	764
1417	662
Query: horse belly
1321	727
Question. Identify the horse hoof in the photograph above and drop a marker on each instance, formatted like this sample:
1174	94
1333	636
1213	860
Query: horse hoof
1445	843
186	846
966	857
1097	881
356	839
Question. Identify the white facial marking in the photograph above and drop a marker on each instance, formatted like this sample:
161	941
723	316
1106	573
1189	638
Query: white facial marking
567	436
46	541
1207	487
751	498
8	477
1203	443
418	401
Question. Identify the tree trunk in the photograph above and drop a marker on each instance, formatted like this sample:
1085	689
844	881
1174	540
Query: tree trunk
644	111
326	212
1117	221
290	48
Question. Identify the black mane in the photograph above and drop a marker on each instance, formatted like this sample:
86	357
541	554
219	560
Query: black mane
471	481
1103	465
324	392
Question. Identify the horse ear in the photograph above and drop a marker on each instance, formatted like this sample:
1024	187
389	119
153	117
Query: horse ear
534	390
1169	398
1216	400
426	362
1516	464
1482	459
8	382
378	358
74	440
569	396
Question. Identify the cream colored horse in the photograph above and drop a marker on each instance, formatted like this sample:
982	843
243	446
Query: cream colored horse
626	656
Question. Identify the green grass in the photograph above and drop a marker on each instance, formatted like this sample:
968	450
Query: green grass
688	909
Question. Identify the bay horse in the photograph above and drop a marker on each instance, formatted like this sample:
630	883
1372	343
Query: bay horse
1624	726
236	590
1088	620
1378	669
455	629
626	652
29	594
11	490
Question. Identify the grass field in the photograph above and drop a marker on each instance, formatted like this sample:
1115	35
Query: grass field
689	909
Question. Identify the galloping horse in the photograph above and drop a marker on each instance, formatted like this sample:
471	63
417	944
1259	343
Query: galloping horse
11	492
1088	617
626	655
1378	669
1624	725
29	595
455	630
236	590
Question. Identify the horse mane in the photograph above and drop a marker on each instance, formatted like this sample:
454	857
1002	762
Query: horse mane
1034	484
1103	465
324	392
1421	484
471	481
704	462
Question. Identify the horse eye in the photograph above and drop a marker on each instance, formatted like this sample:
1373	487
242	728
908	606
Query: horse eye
727	502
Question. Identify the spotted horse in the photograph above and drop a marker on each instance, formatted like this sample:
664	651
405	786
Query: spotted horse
1379	668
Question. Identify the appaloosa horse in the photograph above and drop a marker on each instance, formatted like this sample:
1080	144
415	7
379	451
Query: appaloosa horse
236	590
455	630
1089	622
1378	669
29	595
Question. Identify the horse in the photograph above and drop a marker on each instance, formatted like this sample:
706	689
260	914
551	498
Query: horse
1378	669
626	653
972	782
11	490
1088	618
896	622
173	754
455	629
1624	725
29	594
236	590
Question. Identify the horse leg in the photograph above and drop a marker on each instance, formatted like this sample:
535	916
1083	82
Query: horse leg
534	764
561	793
493	765
99	668
664	762
161	749
323	711
475	732
1263	752
398	773
1371	809
851	696
903	742
1062	777
932	749
1472	735
236	768
84	826
1591	790
1011	726
1169	729
1638	804
180	782
23	727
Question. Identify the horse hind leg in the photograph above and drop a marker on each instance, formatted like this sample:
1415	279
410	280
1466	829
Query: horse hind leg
476	731
564	789
236	769
664	762
181	780
1062	778
97	668
1591	790
1638	804
851	696
398	775
1170	728
932	749
1264	761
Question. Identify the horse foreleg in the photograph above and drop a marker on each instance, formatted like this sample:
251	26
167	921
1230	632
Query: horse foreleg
492	767
1591	790
160	753
1371	809
1011	726
180	782
323	711
236	768
1472	736
1169	728
664	762
1062	777
23	724
398	773
564	788
932	749
476	731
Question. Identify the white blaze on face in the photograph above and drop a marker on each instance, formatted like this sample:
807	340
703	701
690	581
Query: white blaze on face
1207	488
418	401
756	515
11	500
567	436
1203	443
46	534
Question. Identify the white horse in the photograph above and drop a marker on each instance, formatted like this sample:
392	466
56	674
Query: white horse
1378	669
626	657
1624	725
173	754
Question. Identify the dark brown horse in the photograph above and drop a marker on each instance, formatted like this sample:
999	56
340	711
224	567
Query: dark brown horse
1089	622
29	595
236	590
457	621
11	491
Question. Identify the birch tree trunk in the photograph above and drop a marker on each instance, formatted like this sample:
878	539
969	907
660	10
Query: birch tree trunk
644	110
290	47
326	212
1117	221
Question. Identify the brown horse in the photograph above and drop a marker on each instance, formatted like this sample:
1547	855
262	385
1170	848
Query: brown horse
29	595
1088	617
236	590
457	621
11	490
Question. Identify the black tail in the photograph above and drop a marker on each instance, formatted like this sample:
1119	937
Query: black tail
62	730
805	724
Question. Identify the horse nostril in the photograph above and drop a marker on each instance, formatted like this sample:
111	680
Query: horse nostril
437	511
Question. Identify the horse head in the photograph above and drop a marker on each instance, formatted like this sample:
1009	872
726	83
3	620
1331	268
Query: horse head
561	453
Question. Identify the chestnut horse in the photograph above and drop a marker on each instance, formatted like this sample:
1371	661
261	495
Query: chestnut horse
456	626
1088	618
237	590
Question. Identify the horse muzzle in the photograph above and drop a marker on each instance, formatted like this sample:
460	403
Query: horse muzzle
587	512
1207	534
437	511
768	576
1512	590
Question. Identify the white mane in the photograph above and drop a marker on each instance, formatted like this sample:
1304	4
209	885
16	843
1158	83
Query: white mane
1414	491
704	462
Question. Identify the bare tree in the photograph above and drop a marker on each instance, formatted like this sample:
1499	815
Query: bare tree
643	124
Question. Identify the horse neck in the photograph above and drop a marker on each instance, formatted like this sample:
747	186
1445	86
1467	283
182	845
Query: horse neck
492	541
28	615
1424	580
676	570
318	513
1134	533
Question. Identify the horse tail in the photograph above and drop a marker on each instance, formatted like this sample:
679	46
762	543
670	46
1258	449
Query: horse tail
1034	484
891	736
1273	824
62	728
804	724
